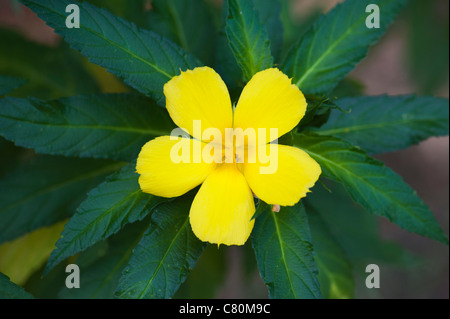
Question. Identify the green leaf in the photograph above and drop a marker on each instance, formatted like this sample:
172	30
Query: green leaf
113	126
225	63
248	38
283	249
9	83
428	45
57	72
46	191
48	287
12	156
383	123
20	258
335	271
189	23
372	184
249	264
269	12
260	208
9	290
134	11
100	276
336	43
207	277
355	229
113	204
317	111
166	253
143	59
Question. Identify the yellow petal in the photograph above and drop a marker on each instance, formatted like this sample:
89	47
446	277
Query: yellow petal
165	172
199	95
294	172
270	100
222	210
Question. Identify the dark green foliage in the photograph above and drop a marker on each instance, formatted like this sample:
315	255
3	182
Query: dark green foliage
381	124
162	259
372	184
110	126
335	44
142	58
113	204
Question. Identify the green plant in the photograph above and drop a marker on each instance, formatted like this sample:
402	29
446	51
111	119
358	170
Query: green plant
135	245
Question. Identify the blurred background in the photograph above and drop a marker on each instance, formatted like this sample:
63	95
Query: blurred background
413	57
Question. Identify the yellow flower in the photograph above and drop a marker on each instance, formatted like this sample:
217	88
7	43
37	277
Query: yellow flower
223	207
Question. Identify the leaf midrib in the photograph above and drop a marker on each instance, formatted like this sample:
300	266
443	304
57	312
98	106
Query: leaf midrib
182	228
283	257
324	55
356	128
248	52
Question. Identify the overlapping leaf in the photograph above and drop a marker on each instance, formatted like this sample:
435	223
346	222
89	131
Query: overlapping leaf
113	204
143	59
335	271
166	253
372	184
355	229
22	257
225	61
206	279
112	126
135	11
427	45
248	38
11	156
284	252
336	43
384	123
46	191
